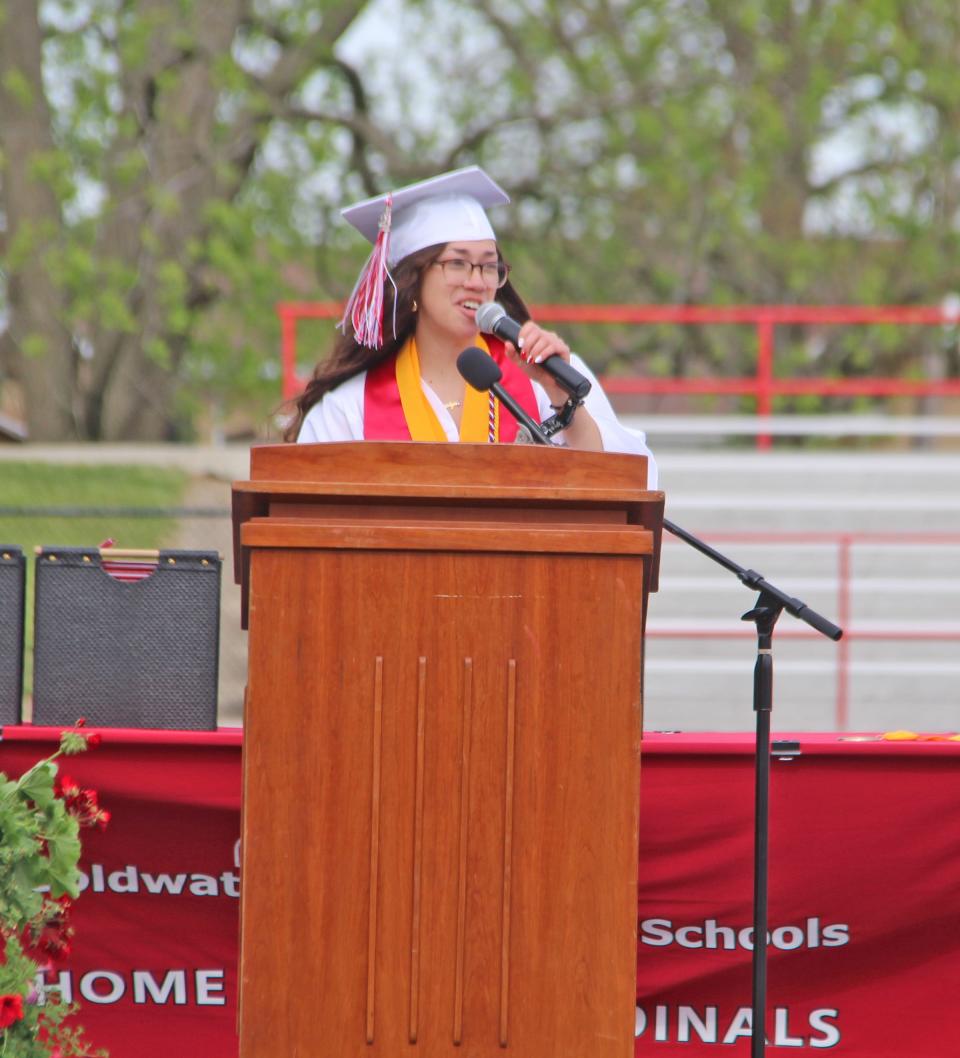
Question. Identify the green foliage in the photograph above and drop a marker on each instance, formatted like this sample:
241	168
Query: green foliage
34	346
657	151
28	240
39	876
40	845
177	218
19	87
715	153
55	169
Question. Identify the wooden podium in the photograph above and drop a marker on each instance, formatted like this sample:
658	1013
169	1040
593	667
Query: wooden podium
441	749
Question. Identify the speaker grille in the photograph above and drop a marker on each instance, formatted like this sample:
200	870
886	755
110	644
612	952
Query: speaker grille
126	654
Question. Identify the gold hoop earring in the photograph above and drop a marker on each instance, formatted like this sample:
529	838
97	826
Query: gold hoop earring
414	306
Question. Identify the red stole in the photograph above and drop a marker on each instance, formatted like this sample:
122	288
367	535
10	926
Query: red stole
383	418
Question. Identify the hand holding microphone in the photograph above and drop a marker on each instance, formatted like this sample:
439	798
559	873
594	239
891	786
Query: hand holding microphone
480	370
493	319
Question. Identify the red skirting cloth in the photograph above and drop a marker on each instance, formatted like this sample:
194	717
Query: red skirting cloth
864	954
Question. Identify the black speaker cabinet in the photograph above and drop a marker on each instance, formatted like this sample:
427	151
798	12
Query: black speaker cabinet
12	578
140	652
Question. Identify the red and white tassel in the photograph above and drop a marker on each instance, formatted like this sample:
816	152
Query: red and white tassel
364	308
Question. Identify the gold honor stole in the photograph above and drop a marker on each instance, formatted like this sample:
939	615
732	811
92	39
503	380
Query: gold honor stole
395	408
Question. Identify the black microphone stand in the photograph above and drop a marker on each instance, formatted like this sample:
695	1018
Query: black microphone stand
771	602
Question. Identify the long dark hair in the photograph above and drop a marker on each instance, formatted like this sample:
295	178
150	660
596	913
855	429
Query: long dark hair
349	358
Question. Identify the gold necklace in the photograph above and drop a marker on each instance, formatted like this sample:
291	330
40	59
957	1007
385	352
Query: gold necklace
451	404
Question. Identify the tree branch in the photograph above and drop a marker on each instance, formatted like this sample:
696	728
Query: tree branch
8	355
361	105
876	165
360	125
300	58
510	34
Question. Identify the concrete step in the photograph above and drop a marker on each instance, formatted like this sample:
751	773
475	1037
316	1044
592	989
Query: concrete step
895	602
685	694
809	471
894	564
801	492
686	431
702	514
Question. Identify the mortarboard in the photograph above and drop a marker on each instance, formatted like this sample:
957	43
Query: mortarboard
439	210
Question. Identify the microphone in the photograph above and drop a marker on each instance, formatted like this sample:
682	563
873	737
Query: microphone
493	319
481	371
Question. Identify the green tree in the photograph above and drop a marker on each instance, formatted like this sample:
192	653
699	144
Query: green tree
694	151
147	150
171	168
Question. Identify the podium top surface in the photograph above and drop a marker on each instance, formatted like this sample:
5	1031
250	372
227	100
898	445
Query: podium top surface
417	469
356	478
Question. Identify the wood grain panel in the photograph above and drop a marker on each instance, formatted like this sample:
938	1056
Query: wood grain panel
466	698
508	774
441	771
499	469
439	511
421	480
374	845
417	850
301	533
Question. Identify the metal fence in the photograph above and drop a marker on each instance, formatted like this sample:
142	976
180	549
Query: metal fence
764	384
900	551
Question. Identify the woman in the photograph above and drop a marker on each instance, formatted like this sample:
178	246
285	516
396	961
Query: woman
435	261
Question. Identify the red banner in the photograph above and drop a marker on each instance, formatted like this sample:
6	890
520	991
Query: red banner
154	956
864	953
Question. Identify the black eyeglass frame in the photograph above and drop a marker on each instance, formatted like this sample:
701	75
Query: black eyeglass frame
503	269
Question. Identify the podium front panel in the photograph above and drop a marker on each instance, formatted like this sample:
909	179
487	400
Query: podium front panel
441	800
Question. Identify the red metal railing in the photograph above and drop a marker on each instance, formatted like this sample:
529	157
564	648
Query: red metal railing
763	385
843	544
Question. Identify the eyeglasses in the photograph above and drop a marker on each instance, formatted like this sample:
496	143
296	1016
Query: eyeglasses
456	271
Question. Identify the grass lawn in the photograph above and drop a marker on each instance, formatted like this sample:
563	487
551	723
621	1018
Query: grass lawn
31	485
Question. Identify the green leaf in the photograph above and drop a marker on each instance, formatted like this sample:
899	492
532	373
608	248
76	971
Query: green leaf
72	742
16	84
158	351
62	871
37	783
115	313
64	882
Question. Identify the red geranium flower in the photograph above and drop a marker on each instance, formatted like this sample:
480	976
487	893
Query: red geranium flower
11	1010
46	938
82	804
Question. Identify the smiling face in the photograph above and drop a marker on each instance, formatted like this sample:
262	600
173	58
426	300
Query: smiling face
448	302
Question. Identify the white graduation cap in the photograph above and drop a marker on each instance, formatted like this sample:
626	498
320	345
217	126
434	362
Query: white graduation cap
442	209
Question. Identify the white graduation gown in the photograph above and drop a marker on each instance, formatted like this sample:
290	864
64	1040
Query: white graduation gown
338	416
